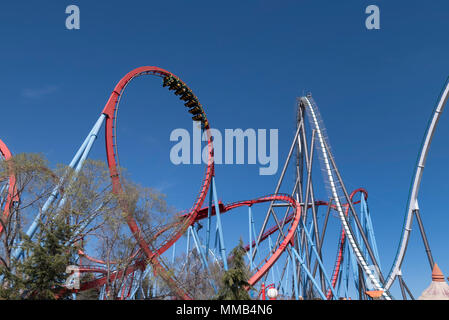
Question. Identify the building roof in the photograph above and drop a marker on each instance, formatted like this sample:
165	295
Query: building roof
437	275
438	289
375	293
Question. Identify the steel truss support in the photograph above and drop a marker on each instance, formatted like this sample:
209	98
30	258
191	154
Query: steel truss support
356	247
219	228
200	250
270	209
76	163
335	181
404	288
307	245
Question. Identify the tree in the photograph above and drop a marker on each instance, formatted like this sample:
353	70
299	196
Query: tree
84	197
33	183
116	246
199	282
234	283
42	272
84	216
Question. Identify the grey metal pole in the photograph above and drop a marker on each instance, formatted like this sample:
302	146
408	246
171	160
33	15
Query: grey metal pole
282	274
361	284
314	214
356	219
309	192
264	225
424	238
286	212
302	243
323	232
407	289
401	284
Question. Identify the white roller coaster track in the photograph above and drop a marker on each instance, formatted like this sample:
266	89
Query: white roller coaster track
413	197
333	183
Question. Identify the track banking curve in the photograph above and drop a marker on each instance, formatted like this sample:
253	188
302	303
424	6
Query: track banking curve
294	218
416	182
254	278
342	240
288	237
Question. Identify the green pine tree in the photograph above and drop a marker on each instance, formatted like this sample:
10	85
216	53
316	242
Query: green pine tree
234	283
42	271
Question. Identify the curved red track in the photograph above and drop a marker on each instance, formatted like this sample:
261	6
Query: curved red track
259	273
12	188
152	256
288	237
110	112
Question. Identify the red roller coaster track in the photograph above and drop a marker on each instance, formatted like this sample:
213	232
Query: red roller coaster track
12	188
195	214
259	273
110	111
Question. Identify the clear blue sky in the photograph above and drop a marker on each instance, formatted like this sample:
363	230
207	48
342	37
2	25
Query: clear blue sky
247	61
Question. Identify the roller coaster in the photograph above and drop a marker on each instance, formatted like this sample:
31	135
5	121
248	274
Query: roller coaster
287	243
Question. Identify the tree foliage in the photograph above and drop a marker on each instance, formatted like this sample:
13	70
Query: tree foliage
83	198
42	272
234	283
85	225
